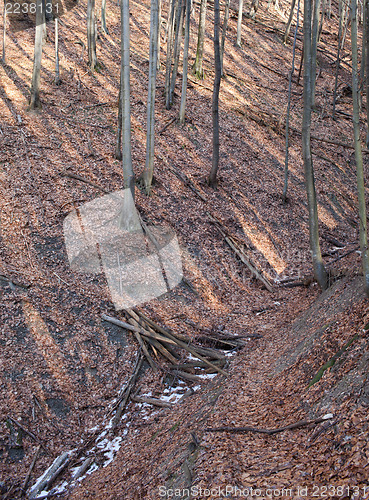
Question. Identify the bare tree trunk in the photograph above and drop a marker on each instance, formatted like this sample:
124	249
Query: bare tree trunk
286	172
118	141
36	73
215	103
314	48
177	49
253	8
341	15
57	72
170	35
129	177
182	109
366	20
322	15
91	34
289	22
319	269
197	67
159	29
4	33
224	33
358	152
103	17
150	136
239	23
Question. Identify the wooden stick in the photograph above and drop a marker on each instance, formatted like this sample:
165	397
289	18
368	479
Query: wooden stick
24	429
126	392
241	254
127	326
35	456
82	179
297	425
163	129
152	401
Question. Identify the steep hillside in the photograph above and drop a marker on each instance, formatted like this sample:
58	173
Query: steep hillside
62	366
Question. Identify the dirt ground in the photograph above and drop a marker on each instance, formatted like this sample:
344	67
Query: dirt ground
62	366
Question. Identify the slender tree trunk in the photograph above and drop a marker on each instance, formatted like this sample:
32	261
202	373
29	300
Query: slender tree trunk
286	171
129	177
289	22
253	9
358	152
103	17
319	269
366	20
57	72
150	136
215	103
224	33
182	109
177	49
91	34
118	142
159	30
314	49
36	73
197	67
4	33
239	23
170	36
322	16
340	26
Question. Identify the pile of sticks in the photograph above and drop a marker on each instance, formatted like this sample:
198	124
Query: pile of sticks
157	343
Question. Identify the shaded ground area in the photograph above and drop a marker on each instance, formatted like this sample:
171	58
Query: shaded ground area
61	366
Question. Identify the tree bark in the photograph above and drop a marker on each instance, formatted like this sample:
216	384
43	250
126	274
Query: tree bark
36	73
366	20
358	152
239	22
314	48
129	177
91	35
177	49
170	34
57	71
289	22
286	172
197	67
318	266
224	33
182	109
4	32
150	136
215	103
103	17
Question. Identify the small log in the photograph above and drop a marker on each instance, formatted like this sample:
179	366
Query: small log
50	474
83	468
126	391
163	129
33	463
241	254
296	425
152	401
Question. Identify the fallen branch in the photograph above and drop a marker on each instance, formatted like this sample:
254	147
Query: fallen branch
49	476
125	393
163	129
152	401
241	254
297	425
35	456
187	182
82	179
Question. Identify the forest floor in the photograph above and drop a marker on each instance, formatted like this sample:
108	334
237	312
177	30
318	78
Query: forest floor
62	366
